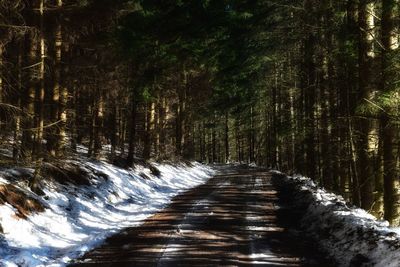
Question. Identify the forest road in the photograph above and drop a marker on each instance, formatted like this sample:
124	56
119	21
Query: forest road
235	219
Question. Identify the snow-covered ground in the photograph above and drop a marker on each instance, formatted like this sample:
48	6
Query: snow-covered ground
350	235
78	218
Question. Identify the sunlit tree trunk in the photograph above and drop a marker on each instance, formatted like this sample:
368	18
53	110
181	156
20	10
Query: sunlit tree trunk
41	91
132	132
362	121
114	129
226	137
327	96
213	140
273	136
28	99
164	111
309	83
149	133
18	120
346	105
390	172
63	98
181	115
98	126
292	118
1	76
74	117
157	128
300	127
56	136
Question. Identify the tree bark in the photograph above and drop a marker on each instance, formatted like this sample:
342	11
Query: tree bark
41	91
226	131
309	83
132	133
149	133
390	172
363	122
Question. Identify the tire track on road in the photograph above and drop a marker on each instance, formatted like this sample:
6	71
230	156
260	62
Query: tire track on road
232	220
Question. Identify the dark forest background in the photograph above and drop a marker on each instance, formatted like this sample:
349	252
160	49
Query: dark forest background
305	86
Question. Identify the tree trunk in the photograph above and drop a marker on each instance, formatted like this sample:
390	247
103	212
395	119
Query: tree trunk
309	83
132	134
28	100
213	140
114	129
54	139
181	115
63	99
18	121
74	118
162	126
363	122
98	126
274	122
149	132
41	91
390	172
1	77
327	102
227	156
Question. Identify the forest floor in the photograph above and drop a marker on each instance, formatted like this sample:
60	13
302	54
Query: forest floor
235	218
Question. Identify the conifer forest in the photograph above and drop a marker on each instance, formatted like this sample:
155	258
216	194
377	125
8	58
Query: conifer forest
308	87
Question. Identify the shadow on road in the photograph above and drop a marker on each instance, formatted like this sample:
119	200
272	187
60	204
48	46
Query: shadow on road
233	220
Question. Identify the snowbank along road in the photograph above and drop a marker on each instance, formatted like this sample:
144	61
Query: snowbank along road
233	219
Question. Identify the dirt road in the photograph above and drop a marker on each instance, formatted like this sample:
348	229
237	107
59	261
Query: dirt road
233	220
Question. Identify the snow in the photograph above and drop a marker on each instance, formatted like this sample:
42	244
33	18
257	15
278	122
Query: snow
79	218
350	235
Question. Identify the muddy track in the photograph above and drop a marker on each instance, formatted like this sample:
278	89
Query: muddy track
234	219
